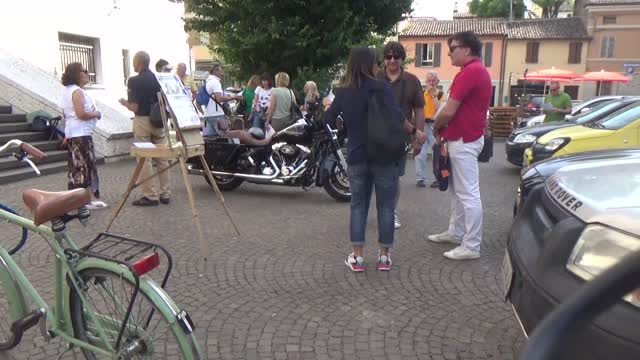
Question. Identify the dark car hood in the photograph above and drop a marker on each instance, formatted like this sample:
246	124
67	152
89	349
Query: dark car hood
549	167
543	128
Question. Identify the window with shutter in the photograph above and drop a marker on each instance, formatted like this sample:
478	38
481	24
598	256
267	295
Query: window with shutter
428	55
437	53
575	53
418	61
532	52
606	50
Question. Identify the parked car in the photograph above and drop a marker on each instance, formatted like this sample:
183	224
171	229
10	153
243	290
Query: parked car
523	138
620	129
579	223
531	105
539	172
575	109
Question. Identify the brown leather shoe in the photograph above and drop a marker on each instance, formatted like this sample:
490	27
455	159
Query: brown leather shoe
145	201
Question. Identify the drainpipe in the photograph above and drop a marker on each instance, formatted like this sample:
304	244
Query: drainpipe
502	71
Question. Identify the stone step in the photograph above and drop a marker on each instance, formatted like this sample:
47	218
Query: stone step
12	118
5	109
9	163
25	136
46	145
23	173
14	127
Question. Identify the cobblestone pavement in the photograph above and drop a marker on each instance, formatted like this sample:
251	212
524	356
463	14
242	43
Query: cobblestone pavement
281	290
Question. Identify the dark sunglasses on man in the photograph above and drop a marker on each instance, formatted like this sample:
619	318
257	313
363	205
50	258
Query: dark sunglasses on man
394	56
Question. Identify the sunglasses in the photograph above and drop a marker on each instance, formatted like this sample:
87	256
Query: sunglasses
395	57
453	48
86	72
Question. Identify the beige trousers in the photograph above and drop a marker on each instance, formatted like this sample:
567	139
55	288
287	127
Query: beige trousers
143	131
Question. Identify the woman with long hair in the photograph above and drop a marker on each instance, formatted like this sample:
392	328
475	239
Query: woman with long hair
81	116
261	101
311	99
248	94
351	101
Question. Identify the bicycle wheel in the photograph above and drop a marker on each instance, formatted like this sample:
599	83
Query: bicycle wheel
12	237
148	334
12	307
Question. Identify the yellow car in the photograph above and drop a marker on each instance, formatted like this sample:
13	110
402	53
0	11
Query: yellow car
620	129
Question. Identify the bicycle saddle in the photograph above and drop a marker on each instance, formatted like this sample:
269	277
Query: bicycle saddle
47	206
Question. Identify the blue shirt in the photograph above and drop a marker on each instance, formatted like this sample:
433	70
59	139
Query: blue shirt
352	103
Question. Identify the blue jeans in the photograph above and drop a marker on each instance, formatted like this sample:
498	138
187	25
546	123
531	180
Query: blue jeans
212	125
256	120
362	178
423	167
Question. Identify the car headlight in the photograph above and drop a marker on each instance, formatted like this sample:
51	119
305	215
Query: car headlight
524	138
556	144
598	249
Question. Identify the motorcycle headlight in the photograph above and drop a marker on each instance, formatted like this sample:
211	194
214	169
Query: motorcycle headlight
598	249
524	138
556	144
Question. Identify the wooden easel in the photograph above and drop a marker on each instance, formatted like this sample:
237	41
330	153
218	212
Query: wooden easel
189	144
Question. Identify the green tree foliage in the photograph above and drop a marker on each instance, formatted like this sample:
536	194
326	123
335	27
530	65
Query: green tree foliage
295	36
497	8
550	8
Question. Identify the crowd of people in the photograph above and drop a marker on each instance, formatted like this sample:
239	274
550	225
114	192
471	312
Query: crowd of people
455	120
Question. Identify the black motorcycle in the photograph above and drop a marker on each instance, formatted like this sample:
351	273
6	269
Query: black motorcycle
304	154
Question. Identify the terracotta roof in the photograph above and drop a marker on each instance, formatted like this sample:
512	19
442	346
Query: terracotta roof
464	15
611	2
562	28
420	27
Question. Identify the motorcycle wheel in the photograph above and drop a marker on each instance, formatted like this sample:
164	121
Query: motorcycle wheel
225	183
337	184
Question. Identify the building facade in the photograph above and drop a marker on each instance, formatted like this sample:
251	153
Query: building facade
425	41
614	27
538	44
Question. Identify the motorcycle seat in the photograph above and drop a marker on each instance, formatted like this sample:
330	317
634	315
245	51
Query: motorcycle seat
246	138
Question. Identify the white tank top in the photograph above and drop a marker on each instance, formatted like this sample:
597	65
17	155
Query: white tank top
75	127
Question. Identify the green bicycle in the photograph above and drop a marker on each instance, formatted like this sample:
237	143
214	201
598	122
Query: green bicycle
105	302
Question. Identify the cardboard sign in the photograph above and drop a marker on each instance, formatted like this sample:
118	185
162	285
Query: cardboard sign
179	101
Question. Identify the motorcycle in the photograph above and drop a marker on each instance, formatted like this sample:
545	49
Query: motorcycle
304	154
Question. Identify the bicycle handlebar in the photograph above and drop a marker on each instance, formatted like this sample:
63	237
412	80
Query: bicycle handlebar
29	149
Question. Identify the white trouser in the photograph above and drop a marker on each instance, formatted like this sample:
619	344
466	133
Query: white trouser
466	207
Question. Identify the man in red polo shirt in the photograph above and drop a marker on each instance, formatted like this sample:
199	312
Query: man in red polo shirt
461	125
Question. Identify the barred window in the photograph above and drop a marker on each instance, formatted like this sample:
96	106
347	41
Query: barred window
82	49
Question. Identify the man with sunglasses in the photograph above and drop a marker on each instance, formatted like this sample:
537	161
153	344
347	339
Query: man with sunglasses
461	124
408	91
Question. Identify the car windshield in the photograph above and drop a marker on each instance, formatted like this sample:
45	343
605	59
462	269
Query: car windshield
596	112
620	118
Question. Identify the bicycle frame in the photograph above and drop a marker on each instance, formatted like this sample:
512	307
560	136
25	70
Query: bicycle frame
58	319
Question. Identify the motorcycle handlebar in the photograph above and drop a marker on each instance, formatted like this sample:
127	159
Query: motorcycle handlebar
29	149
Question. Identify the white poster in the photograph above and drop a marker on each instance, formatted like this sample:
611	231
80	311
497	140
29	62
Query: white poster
179	101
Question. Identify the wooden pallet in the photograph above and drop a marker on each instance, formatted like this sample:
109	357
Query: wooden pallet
504	118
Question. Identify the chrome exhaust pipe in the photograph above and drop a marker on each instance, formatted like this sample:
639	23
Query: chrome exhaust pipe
245	176
295	171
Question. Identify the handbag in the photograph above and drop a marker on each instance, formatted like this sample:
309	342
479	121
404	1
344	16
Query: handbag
294	111
441	166
487	149
155	115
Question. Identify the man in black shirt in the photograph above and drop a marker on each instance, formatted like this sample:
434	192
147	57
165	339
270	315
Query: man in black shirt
142	92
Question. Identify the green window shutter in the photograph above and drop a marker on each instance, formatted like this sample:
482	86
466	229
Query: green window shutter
436	54
488	54
418	61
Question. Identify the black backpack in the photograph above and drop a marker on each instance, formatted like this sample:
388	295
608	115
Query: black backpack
386	137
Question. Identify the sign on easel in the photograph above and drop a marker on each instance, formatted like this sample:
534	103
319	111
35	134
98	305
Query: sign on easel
186	122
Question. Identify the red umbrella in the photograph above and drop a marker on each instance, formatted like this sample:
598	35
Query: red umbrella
603	76
552	74
536	78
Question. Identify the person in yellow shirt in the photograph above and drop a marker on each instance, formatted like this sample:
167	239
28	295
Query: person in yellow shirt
432	98
187	81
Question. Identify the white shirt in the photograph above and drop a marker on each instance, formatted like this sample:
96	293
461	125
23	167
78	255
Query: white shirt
213	86
73	126
264	98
